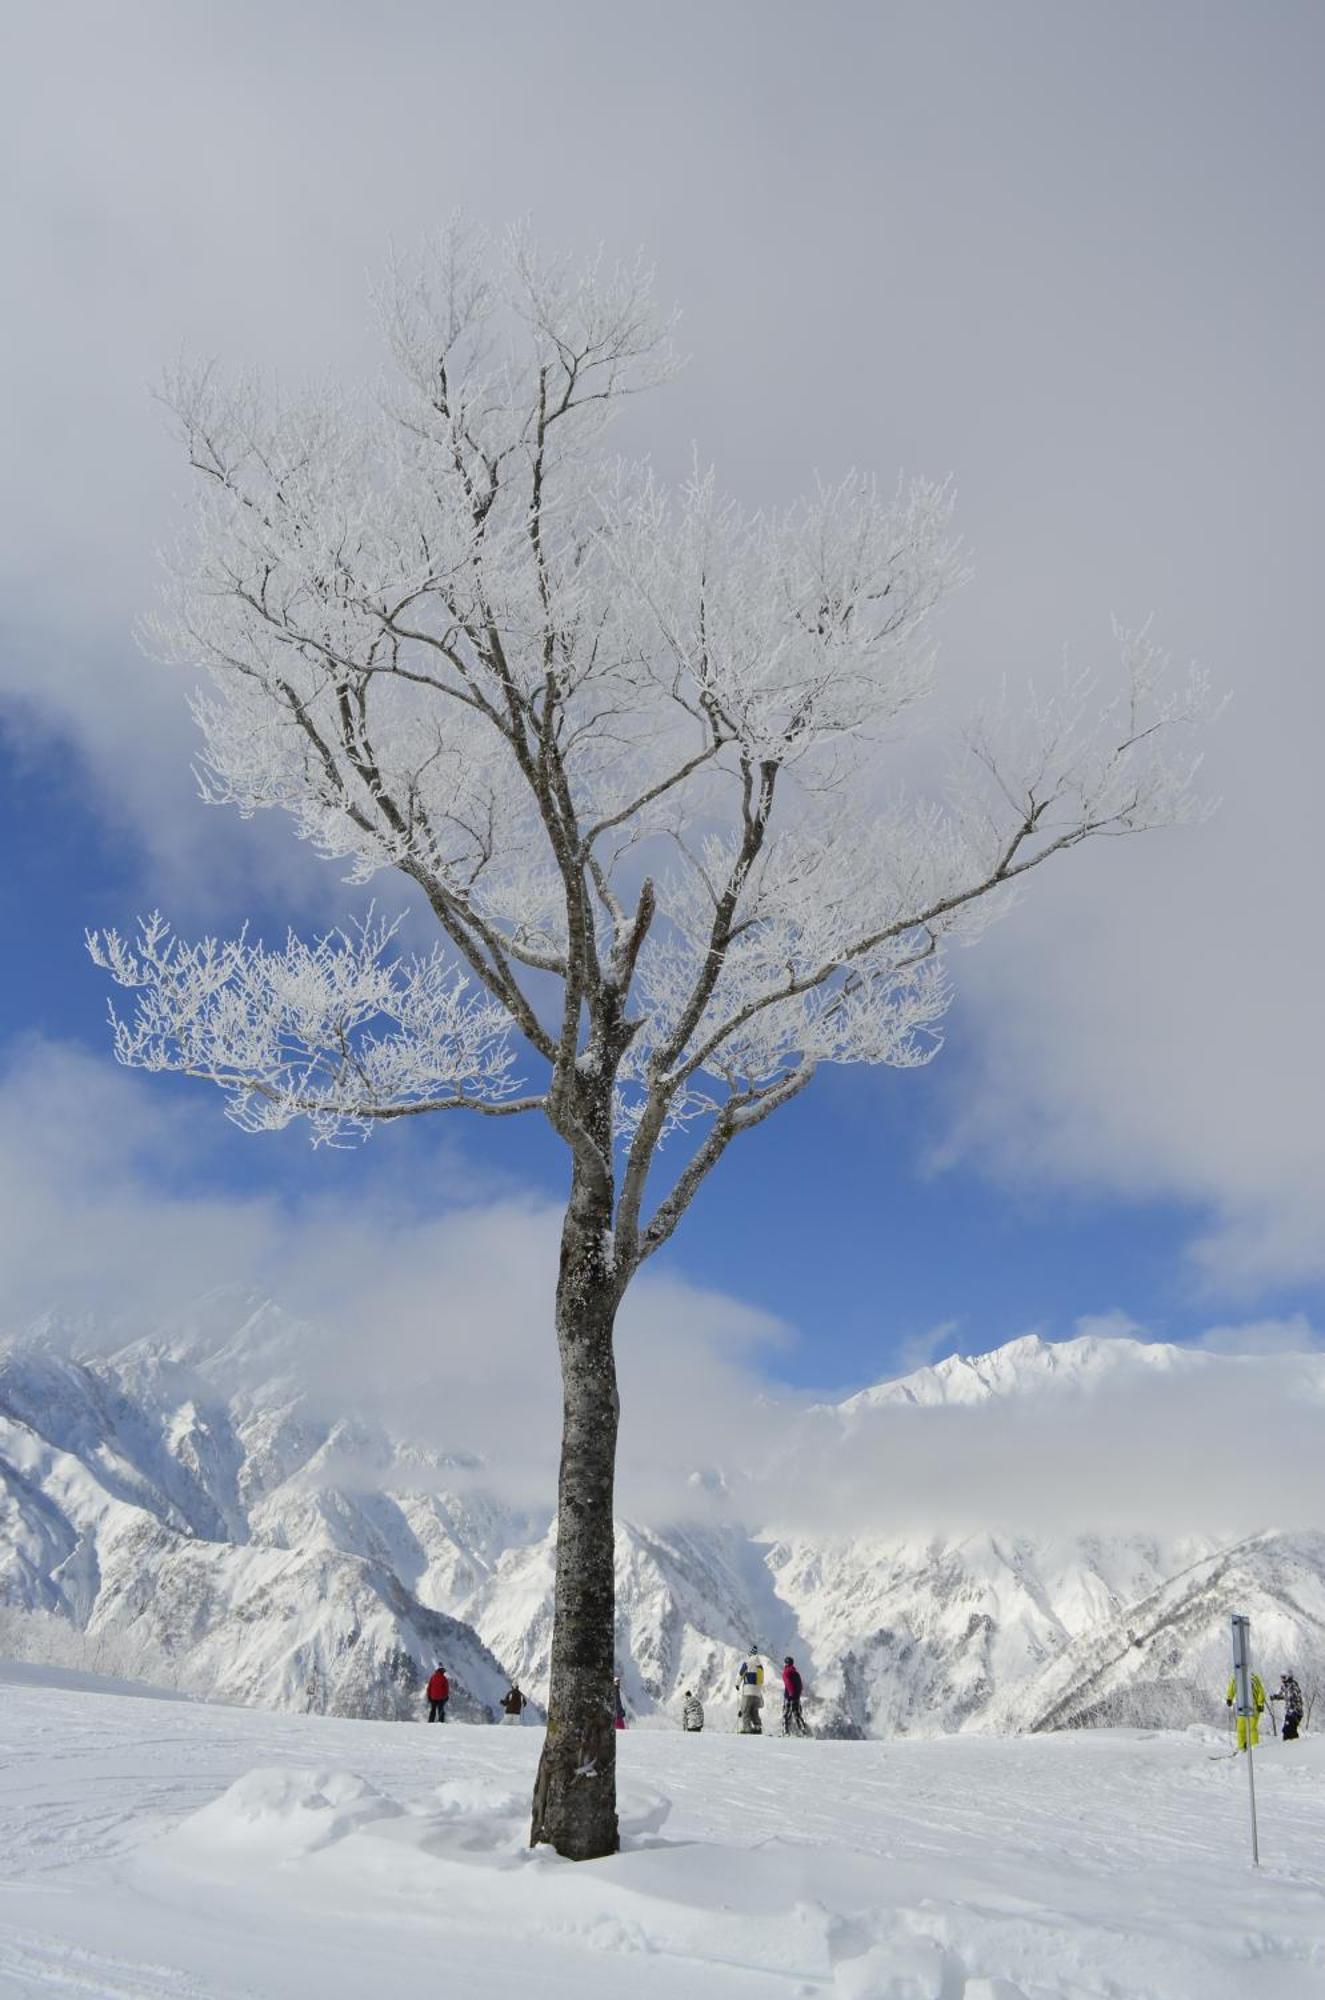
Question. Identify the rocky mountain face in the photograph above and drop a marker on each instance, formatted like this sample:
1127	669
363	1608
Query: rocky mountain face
1165	1658
141	1501
183	1495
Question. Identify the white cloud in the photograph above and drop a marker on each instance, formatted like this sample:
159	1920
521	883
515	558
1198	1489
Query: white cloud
1226	1452
1144	1025
1115	1324
87	1223
1294	1335
917	1350
433	1305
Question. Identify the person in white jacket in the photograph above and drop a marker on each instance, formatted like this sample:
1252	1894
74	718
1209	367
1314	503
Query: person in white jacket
692	1713
749	1701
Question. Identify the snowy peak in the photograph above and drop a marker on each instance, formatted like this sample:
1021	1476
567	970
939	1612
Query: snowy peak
232	1341
1028	1366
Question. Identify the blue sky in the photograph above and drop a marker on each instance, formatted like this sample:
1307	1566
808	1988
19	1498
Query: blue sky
832	1219
1071	255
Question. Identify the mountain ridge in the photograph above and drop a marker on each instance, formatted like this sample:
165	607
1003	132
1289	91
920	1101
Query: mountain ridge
183	1490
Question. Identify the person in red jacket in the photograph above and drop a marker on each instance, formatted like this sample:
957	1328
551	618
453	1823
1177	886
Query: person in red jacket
439	1693
793	1722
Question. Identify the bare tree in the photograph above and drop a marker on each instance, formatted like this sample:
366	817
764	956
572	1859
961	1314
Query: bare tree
627	743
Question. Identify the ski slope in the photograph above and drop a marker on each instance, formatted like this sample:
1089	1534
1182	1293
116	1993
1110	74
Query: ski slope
175	1851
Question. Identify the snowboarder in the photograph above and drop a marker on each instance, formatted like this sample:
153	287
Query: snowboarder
1258	1696
749	1701
793	1722
439	1693
1290	1694
513	1703
618	1706
692	1713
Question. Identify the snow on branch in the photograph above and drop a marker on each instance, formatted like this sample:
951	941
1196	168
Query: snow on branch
834	948
628	743
341	1032
834	927
1055	769
789	630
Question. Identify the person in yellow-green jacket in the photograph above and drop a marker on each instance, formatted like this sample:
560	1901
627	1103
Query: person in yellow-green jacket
1258	1696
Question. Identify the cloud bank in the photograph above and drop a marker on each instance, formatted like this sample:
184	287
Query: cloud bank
441	1326
1223	1450
429	1307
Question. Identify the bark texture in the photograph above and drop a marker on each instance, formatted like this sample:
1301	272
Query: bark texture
575	1792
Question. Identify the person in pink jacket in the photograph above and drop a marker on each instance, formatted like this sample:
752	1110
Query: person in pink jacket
793	1722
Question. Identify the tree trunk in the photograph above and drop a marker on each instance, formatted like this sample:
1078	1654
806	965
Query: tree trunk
575	1792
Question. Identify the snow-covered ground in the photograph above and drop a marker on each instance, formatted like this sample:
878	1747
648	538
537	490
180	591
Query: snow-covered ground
174	1851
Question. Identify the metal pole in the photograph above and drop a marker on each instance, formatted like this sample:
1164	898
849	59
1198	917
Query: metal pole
1246	1708
1251	1793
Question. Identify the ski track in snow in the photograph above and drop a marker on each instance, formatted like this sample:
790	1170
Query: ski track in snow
1108	1865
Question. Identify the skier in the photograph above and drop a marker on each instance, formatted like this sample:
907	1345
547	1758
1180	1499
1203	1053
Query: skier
513	1703
1290	1694
1258	1696
692	1713
618	1706
439	1693
748	1699
793	1722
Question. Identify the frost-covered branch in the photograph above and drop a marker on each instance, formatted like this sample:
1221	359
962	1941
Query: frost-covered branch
626	742
741	1112
342	1032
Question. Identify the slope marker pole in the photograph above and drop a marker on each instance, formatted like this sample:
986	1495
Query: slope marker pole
1246	1709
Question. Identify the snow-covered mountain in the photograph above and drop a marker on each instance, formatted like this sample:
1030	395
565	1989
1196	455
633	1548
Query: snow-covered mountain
1167	1655
183	1496
147	1504
1023	1366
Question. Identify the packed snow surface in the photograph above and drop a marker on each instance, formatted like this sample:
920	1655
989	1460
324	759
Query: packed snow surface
175	1851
